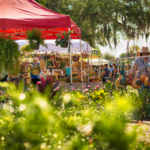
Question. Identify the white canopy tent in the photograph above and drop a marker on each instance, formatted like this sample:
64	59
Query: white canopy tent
98	61
75	47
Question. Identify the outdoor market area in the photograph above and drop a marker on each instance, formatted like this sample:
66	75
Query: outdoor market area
58	90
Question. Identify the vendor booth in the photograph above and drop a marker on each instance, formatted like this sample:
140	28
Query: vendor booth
62	52
19	17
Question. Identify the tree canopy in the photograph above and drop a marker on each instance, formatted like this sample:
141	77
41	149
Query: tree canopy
109	57
103	21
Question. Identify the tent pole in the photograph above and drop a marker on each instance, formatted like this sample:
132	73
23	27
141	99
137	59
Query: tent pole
88	64
81	68
99	64
102	59
70	64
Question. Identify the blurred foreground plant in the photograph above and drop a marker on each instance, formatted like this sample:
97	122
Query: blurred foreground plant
29	121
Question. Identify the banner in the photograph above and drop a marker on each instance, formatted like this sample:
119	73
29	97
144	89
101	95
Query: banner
96	52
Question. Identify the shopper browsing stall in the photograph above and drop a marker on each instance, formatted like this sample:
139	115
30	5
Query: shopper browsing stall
67	69
102	67
111	69
43	73
105	73
114	72
35	76
141	64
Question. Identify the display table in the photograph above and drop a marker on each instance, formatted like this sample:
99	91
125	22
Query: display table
66	86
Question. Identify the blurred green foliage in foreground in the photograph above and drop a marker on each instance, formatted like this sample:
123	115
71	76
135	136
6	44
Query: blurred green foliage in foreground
93	120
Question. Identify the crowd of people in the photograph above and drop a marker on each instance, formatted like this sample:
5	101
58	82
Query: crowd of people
108	74
141	66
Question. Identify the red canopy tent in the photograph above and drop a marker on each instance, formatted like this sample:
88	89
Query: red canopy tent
16	16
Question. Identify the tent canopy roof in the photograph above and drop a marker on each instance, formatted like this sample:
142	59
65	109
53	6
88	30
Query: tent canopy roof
97	62
75	47
100	59
16	16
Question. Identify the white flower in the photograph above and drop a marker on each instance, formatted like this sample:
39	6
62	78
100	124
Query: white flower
66	98
43	103
2	138
59	147
85	128
22	107
22	96
43	146
55	135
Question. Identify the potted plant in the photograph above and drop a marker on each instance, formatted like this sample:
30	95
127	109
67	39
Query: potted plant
64	39
35	38
9	56
26	49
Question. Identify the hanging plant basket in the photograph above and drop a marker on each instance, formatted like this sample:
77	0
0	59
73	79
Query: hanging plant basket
9	56
35	38
65	44
35	45
63	39
26	50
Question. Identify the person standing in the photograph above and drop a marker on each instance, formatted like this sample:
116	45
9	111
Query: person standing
67	69
122	71
105	73
35	78
102	67
111	69
114	72
141	64
101	74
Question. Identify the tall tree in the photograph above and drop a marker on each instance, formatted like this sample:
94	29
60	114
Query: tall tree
103	21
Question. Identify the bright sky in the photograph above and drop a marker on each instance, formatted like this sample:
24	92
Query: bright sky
121	47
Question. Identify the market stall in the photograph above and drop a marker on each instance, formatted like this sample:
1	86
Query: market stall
57	71
25	17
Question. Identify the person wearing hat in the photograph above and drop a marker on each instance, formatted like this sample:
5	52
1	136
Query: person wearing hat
141	64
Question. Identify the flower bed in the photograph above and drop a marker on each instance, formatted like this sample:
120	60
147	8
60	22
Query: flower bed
96	119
